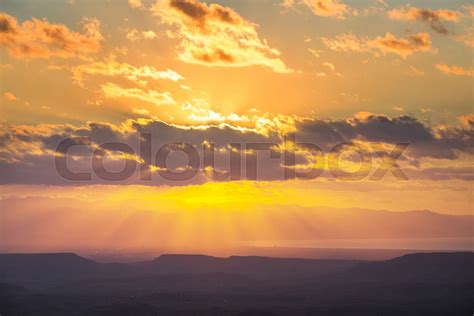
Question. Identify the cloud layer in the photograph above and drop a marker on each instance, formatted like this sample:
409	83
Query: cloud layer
27	152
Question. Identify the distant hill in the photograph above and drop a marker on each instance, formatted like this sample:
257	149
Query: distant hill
44	265
57	284
420	267
250	266
68	266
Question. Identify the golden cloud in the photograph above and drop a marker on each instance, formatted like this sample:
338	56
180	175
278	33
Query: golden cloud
329	8
455	70
112	68
469	8
467	121
429	16
346	43
136	35
420	42
135	4
468	37
10	96
213	35
199	112
157	98
41	39
325	8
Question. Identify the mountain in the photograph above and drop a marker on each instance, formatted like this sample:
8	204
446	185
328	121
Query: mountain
415	284
249	266
420	267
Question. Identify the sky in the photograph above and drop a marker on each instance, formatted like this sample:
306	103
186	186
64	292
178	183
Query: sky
368	104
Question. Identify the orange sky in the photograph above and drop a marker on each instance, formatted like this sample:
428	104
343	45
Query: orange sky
370	73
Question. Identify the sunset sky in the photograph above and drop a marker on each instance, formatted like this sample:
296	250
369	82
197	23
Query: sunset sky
374	73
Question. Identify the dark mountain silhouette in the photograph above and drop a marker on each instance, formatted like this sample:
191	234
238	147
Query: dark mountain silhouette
64	284
250	266
420	267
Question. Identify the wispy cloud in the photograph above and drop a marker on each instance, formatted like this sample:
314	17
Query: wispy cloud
455	70
154	97
112	68
136	35
9	96
420	42
431	17
325	8
468	37
135	4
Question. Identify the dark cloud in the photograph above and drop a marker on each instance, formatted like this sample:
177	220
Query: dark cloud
201	13
27	152
429	16
7	24
191	9
424	141
434	18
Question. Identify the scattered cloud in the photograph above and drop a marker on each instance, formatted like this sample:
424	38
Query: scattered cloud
468	37
135	4
399	109
324	8
331	68
431	17
469	9
135	35
113	68
314	52
416	71
455	70
154	97
330	8
214	35
10	96
41	39
467	121
329	65
143	112
198	113
288	4
426	110
346	43
419	42
377	7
